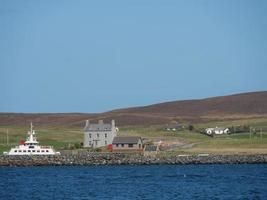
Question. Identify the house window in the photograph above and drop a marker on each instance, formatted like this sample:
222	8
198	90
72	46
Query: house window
122	145
130	145
90	135
97	135
139	146
47	151
96	143
42	150
106	135
33	150
19	150
29	150
24	150
38	151
15	150
90	143
117	145
105	142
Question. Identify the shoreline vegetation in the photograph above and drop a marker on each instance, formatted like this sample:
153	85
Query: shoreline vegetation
128	159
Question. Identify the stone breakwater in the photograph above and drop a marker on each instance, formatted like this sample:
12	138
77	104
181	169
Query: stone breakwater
126	159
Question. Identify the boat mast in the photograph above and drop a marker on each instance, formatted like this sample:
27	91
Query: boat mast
31	127
31	138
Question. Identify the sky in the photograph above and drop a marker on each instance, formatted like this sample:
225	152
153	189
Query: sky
95	56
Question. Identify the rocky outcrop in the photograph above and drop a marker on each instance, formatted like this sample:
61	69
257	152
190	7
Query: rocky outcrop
126	159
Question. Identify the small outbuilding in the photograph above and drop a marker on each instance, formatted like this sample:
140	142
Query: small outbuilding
173	127
151	150
129	143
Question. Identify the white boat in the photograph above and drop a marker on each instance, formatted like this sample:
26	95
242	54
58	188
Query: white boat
31	147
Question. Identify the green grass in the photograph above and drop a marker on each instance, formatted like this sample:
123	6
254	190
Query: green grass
227	144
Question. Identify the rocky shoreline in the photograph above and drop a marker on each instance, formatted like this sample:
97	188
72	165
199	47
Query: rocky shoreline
127	159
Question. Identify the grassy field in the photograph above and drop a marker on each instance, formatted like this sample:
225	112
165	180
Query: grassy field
195	143
181	142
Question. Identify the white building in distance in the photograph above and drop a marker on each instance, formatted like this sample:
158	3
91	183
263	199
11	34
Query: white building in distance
217	131
100	134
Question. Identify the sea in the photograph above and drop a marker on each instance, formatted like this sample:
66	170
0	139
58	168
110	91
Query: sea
228	181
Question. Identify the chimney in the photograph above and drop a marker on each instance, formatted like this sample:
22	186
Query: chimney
86	123
113	123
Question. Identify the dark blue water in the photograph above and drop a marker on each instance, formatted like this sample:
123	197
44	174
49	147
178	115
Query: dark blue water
135	182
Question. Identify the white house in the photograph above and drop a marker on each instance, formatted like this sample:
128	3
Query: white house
217	131
100	134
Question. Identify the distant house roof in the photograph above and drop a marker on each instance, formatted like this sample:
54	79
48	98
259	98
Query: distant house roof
219	129
98	127
151	148
172	126
126	140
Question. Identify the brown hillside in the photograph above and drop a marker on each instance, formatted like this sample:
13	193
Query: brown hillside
218	108
246	103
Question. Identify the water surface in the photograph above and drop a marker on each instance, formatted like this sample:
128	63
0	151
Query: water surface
135	182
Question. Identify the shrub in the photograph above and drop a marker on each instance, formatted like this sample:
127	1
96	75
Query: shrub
190	127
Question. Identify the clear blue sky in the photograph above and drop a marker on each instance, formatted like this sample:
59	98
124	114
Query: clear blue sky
94	56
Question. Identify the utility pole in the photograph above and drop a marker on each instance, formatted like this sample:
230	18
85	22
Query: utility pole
7	139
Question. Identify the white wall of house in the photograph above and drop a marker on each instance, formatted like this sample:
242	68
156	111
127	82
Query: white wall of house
98	139
226	131
209	131
218	132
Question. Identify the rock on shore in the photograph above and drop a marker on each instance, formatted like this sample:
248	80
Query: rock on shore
126	159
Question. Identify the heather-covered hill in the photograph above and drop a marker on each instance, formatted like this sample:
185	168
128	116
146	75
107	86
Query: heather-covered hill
238	106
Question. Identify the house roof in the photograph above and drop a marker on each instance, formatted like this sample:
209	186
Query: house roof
126	140
98	127
219	129
173	126
216	129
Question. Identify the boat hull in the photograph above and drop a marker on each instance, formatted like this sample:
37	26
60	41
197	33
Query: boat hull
37	150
